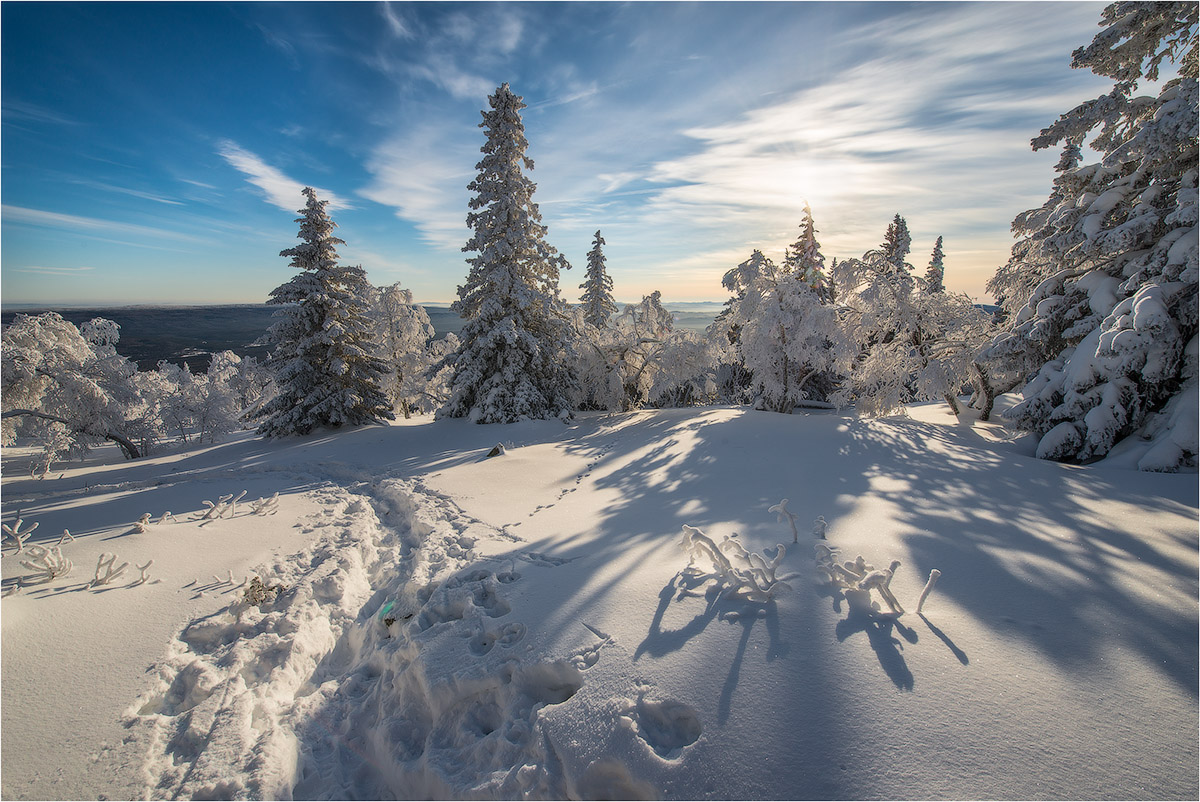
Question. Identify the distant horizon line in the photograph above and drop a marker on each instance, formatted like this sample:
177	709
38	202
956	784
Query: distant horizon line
22	306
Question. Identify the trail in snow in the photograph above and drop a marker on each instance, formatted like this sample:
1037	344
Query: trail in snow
329	692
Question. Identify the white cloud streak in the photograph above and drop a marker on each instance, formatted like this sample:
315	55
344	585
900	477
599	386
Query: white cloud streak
71	222
278	189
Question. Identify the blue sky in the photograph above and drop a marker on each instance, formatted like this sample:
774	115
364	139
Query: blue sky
154	152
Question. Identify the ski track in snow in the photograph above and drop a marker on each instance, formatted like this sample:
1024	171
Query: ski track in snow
325	693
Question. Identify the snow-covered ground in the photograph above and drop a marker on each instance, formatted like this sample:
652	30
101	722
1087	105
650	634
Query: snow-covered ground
453	625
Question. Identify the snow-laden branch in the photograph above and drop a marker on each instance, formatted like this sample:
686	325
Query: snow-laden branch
14	531
48	563
785	514
105	564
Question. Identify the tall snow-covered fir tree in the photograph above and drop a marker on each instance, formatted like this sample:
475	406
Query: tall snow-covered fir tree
804	258
597	299
511	363
1101	287
896	245
935	275
325	373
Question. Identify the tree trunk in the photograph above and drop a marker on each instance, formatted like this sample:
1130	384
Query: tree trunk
986	389
126	445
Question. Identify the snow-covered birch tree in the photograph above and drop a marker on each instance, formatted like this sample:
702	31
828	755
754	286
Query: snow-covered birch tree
403	335
786	336
597	298
1101	287
512	362
325	371
67	387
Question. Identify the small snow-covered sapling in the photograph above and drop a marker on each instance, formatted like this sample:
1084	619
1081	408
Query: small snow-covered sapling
933	578
165	516
819	527
880	582
784	514
233	503
48	563
145	569
105	564
141	523
14	531
66	535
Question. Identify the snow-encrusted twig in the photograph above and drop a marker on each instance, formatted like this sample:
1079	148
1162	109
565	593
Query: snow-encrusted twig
233	503
14	531
106	565
12	589
66	535
784	514
933	578
49	564
819	527
167	515
140	524
145	569
265	506
858	578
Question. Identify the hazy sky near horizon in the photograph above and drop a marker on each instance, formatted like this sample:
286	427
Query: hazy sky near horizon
155	152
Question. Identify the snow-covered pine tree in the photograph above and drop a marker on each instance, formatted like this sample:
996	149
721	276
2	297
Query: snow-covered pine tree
896	245
787	337
597	299
511	363
804	258
1101	287
325	372
936	273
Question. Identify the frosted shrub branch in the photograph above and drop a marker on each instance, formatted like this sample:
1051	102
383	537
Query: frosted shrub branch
742	573
933	578
857	579
265	506
105	563
145	569
49	564
141	523
785	514
14	531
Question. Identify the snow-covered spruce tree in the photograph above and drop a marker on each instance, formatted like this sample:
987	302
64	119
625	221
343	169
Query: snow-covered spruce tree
325	372
1101	287
786	336
402	336
512	363
935	274
804	258
914	345
597	299
68	388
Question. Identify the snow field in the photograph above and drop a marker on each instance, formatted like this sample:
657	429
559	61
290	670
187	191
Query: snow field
527	626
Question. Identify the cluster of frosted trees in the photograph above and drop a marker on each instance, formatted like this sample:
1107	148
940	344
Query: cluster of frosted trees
1098	332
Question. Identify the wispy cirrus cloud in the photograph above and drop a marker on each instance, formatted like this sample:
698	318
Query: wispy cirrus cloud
54	271
279	189
423	176
78	223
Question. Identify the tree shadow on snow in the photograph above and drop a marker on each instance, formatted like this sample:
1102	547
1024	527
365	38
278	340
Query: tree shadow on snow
887	648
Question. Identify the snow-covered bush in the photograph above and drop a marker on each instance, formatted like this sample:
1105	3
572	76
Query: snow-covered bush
784	333
1101	288
641	359
67	387
915	344
325	372
858	578
403	336
512	361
